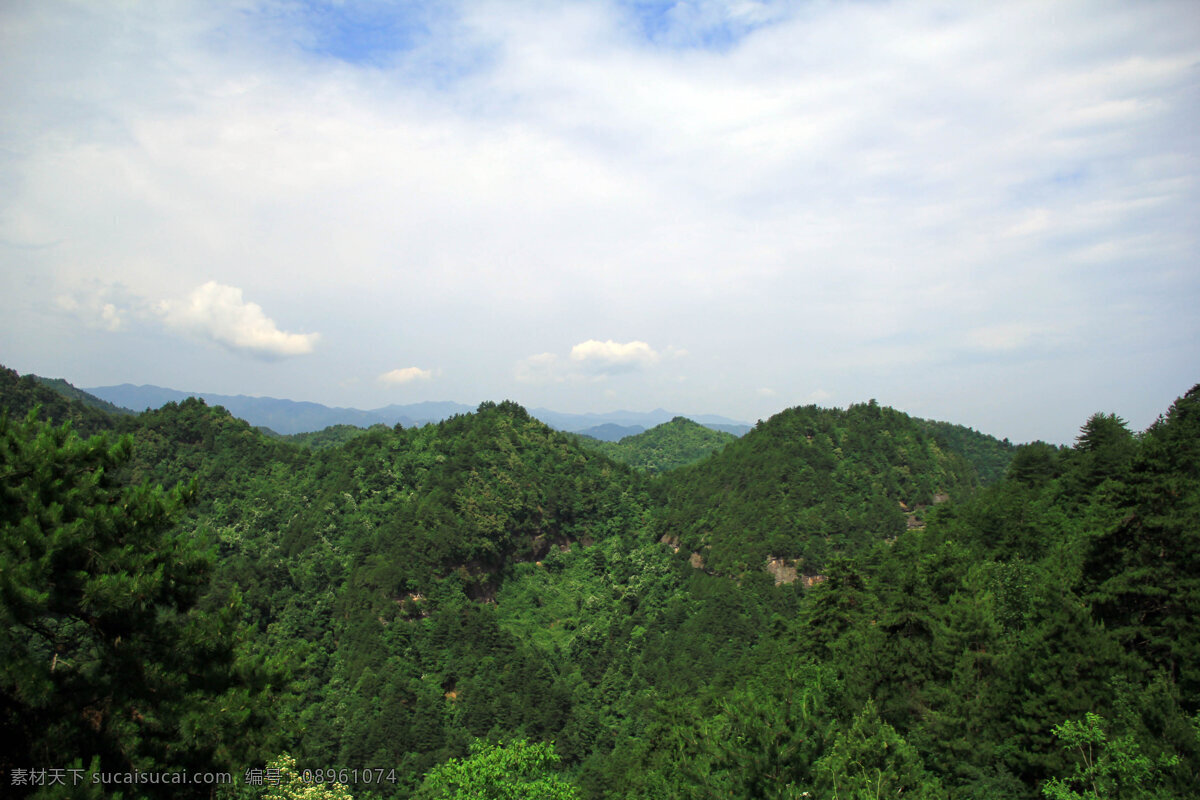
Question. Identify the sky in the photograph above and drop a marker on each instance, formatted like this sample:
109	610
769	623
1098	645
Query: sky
986	213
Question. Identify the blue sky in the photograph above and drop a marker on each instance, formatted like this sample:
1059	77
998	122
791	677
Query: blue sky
984	213
367	34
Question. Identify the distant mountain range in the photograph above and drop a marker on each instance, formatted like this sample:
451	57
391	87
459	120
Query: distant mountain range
291	416
610	431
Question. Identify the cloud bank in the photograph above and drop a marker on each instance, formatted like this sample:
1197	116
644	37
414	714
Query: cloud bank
219	312
591	361
614	357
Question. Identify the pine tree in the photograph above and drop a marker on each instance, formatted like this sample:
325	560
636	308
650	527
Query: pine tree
104	651
870	759
1142	576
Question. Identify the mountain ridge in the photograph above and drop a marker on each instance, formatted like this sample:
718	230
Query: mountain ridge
288	417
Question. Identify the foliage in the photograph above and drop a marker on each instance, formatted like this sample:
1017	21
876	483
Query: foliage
870	760
1142	574
106	650
1106	767
288	784
515	771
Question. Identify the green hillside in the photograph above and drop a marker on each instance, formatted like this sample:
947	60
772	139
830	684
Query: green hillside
988	455
332	436
83	398
807	485
664	447
59	402
485	607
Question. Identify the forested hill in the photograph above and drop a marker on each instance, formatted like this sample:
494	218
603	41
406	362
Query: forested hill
484	607
808	484
664	447
84	398
59	401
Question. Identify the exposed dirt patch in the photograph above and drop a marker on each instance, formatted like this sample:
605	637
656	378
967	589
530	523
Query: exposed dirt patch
809	581
781	570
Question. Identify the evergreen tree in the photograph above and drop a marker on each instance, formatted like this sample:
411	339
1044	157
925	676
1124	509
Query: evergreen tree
1142	575
870	760
104	650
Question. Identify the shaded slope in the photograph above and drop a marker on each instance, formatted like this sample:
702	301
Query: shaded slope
988	455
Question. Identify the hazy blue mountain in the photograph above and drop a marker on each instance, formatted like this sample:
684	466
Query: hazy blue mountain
139	398
611	432
283	416
291	416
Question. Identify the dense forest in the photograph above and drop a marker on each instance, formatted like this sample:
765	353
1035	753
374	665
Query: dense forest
840	604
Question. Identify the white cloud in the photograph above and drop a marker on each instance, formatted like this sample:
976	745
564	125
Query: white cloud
406	375
219	312
94	308
590	362
614	357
